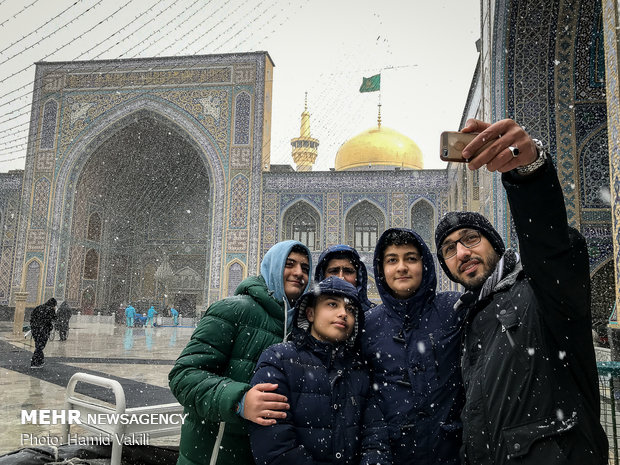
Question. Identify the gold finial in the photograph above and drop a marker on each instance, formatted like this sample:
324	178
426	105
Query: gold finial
306	102
379	116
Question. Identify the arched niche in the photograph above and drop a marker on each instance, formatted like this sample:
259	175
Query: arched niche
302	222
364	223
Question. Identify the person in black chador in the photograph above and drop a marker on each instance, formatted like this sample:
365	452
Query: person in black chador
62	320
41	324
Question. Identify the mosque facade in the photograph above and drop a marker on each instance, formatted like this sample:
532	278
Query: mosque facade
150	181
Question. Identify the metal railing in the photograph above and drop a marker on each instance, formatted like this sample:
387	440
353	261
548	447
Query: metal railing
609	387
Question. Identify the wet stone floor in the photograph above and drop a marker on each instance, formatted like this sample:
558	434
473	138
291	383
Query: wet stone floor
139	358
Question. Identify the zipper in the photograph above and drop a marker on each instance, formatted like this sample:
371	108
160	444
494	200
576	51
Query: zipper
216	446
432	339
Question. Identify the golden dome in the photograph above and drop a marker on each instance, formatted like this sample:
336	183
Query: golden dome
378	148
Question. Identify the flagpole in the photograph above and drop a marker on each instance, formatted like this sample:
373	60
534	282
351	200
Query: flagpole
379	116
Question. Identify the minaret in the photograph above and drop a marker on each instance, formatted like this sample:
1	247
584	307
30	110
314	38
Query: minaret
304	146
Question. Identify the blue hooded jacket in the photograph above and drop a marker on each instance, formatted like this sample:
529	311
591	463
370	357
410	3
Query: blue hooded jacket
362	274
272	271
413	348
152	312
332	417
130	311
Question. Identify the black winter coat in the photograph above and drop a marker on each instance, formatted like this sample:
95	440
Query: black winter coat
63	317
528	362
413	349
332	419
42	318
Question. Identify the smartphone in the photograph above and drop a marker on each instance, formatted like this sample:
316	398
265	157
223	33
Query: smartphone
452	144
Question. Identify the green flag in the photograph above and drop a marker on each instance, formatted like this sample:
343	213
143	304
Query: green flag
371	84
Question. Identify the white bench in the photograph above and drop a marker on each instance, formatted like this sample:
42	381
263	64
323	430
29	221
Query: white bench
116	430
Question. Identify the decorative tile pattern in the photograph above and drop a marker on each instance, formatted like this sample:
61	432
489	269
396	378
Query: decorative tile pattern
269	221
594	171
52	82
46	161
238	208
9	194
33	277
237	240
141	79
244	74
589	72
286	200
36	240
333	219
38	219
611	28
599	244
380	200
240	157
48	126
398	212
243	112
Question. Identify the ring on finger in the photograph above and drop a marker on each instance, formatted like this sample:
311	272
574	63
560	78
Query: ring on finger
514	150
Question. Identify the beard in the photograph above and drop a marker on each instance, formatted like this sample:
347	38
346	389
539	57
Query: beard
490	262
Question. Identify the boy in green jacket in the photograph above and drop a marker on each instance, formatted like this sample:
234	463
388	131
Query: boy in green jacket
211	376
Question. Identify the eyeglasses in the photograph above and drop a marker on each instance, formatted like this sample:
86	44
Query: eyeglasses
469	240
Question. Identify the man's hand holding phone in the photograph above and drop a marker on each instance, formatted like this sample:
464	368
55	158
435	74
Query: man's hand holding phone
501	146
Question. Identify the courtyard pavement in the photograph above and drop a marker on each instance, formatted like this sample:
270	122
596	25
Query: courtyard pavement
139	358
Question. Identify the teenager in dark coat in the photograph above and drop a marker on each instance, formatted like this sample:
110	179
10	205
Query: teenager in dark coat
41	324
412	343
333	262
331	418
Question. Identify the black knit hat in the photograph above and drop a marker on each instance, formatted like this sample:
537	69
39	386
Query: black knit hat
459	220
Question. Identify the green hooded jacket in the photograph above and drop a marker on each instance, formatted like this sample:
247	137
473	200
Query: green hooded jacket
212	373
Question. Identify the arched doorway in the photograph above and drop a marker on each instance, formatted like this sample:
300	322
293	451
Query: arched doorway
151	192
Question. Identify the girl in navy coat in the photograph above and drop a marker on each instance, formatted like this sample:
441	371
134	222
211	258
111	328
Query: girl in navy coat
332	419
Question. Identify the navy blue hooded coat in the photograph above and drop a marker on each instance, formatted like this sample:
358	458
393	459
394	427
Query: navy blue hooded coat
332	419
362	274
413	348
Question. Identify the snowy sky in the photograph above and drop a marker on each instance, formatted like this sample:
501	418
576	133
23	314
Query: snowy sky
425	51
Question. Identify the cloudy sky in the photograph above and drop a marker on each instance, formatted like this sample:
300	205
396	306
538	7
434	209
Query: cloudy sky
424	50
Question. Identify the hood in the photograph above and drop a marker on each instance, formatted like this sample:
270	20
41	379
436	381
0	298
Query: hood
362	274
256	288
50	303
429	276
330	286
272	271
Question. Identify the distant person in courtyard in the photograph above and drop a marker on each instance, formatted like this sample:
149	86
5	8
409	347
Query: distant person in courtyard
211	376
320	370
528	360
150	316
130	315
62	320
344	262
41	324
175	316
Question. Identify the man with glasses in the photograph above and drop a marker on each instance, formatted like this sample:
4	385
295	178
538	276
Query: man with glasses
528	359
